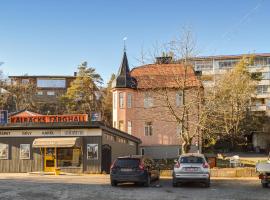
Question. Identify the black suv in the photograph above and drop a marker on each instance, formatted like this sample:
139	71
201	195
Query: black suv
137	169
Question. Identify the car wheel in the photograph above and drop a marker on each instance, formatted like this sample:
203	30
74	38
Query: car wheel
113	183
174	184
148	181
264	185
207	184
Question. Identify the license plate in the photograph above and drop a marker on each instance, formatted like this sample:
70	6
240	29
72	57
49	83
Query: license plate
126	170
191	169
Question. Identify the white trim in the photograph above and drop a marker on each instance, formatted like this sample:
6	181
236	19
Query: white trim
93	145
51	133
29	155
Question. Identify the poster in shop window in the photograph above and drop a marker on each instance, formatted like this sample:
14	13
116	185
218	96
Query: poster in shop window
25	151
3	151
92	151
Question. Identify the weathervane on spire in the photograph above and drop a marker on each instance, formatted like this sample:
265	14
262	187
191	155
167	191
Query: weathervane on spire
125	38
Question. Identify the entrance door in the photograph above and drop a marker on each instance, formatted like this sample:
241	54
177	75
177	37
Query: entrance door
49	159
106	158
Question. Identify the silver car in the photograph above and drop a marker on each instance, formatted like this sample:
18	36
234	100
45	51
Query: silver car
191	168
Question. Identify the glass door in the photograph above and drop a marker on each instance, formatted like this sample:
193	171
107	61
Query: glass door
49	159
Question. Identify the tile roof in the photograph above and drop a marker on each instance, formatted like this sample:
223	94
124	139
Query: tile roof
164	76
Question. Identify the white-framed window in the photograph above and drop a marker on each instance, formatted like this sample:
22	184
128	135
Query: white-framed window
51	83
25	151
179	98
129	100
129	129
121	100
4	151
262	89
39	93
179	129
50	93
142	151
148	129
92	151
121	125
115	100
148	100
25	81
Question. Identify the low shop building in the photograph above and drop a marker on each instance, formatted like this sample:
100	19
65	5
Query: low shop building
72	146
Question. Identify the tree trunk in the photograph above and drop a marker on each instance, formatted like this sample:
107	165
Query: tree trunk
186	146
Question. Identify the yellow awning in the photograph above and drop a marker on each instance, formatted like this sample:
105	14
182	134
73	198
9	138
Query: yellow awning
56	142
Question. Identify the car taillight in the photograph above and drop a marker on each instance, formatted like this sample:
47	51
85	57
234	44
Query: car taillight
177	165
262	176
141	166
112	166
205	165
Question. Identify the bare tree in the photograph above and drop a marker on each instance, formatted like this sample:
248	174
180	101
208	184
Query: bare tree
180	80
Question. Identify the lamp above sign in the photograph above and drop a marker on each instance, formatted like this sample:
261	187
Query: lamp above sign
49	118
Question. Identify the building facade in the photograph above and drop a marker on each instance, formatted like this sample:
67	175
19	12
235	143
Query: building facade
31	142
140	109
211	67
49	88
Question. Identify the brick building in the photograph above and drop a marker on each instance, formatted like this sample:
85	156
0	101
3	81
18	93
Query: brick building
139	107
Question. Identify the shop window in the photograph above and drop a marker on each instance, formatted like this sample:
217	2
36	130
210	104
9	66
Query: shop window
4	151
69	157
24	151
92	151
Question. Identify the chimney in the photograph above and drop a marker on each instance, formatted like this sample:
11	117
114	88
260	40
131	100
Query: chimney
164	60
75	73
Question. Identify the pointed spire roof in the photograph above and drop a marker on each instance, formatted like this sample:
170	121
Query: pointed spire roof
123	78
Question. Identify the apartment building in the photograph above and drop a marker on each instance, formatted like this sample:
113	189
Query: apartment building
211	67
49	88
139	110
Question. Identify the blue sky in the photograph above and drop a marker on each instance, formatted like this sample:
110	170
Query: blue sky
51	37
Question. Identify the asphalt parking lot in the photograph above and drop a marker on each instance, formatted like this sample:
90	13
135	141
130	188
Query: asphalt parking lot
29	187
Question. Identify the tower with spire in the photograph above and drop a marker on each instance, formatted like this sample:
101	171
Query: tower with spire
123	96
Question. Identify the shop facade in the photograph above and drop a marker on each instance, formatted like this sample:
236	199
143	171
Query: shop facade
76	147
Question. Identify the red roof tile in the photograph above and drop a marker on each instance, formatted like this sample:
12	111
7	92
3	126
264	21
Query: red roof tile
164	76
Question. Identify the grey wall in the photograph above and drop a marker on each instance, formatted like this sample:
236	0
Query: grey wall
119	149
14	163
160	152
91	166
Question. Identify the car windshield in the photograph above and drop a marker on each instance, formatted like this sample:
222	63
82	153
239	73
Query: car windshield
127	163
191	159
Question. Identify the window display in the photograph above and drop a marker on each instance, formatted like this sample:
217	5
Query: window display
92	151
25	151
3	151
